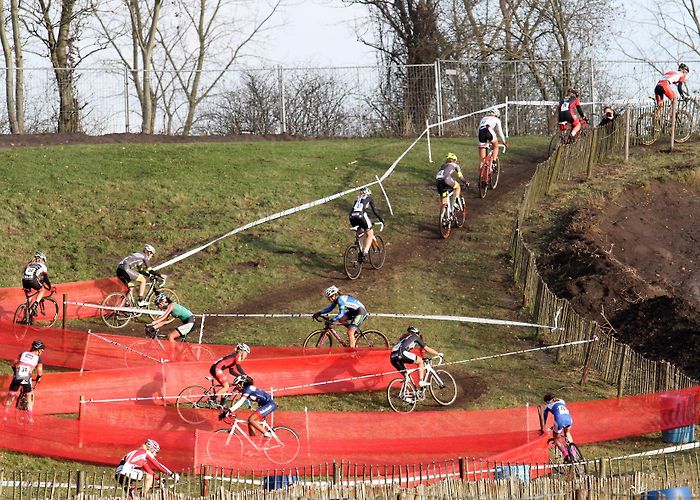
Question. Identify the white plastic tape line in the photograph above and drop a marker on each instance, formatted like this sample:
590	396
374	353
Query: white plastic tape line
386	197
135	310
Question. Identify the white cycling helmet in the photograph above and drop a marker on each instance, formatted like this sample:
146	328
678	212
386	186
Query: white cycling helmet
331	290
243	380
243	347
149	248
40	255
161	297
495	112
153	445
365	192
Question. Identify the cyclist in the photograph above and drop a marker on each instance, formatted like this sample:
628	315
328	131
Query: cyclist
490	130
228	365
567	106
22	370
351	312
36	277
562	417
170	308
141	463
244	384
358	217
135	268
663	87
401	353
444	180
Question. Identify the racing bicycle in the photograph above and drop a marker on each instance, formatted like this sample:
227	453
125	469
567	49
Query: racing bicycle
227	446
403	393
563	135
195	397
22	404
120	318
565	457
489	170
452	213
42	313
652	124
353	257
156	348
321	341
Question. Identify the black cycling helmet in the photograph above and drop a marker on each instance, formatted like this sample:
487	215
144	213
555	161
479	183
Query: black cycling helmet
38	344
413	329
548	397
572	90
683	67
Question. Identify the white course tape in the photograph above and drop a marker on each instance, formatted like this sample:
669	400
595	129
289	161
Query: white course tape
386	197
135	310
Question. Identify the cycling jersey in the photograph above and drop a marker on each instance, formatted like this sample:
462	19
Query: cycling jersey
131	263
562	417
401	351
348	306
232	363
136	462
663	87
358	213
489	128
181	312
566	107
35	274
444	180
22	370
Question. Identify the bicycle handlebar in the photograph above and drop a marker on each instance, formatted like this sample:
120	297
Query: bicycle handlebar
381	224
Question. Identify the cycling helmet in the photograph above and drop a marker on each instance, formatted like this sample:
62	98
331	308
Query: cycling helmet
451	157
365	192
243	380
149	248
683	67
161	297
331	290
413	329
572	90
548	397
243	347
38	344
40	255
495	112
153	445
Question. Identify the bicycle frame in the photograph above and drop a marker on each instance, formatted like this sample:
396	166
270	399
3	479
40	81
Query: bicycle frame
236	427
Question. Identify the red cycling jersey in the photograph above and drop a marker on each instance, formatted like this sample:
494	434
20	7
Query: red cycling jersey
141	460
226	366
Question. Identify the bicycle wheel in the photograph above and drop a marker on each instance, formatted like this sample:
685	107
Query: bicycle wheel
46	313
20	322
196	353
684	128
372	338
283	447
556	458
445	223
495	174
647	128
401	401
153	307
460	214
318	342
112	318
22	408
578	464
191	403
351	262
143	352
224	448
483	176
554	143
377	253
443	388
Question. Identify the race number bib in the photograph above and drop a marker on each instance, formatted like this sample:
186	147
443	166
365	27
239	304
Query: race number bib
440	174
358	206
565	106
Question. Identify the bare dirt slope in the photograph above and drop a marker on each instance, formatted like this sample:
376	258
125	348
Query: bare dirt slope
634	266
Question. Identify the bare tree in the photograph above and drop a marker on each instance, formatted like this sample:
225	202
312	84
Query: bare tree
14	68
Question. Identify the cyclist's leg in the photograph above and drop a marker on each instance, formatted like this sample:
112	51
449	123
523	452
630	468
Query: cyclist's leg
367	234
442	191
576	126
147	483
354	324
351	335
141	280
11	395
255	418
494	144
31	285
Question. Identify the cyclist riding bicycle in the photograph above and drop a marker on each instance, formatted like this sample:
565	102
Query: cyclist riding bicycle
141	464
36	277
351	312
266	405
135	268
175	310
489	131
562	417
402	353
22	370
358	217
226	366
663	86
567	106
445	181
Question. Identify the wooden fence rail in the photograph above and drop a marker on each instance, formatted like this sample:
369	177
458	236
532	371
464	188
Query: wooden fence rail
617	363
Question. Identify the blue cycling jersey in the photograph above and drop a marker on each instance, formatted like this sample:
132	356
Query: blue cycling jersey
558	408
347	304
257	395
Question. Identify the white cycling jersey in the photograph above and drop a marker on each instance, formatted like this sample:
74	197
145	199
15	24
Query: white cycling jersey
494	126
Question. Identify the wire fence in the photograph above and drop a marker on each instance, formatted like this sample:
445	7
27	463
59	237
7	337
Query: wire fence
357	101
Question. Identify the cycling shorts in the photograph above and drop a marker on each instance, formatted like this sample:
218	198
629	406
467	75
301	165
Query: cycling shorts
557	428
663	88
362	220
21	383
222	376
126	276
568	117
266	409
445	186
31	284
485	137
186	326
355	318
398	358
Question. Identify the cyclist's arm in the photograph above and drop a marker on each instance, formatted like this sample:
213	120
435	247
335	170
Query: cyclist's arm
163	319
152	465
499	131
682	89
431	350
374	209
546	413
239	403
341	311
39	370
328	309
236	369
